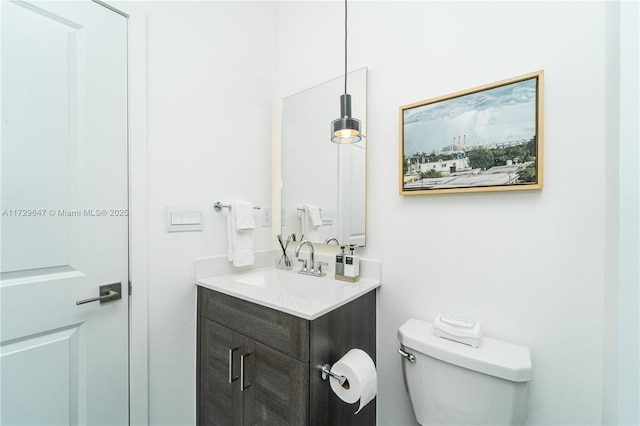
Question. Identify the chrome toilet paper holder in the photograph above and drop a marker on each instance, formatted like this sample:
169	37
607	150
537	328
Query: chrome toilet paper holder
326	371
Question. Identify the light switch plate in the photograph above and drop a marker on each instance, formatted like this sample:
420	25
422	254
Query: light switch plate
184	219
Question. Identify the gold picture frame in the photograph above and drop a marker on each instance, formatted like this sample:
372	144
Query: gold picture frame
489	138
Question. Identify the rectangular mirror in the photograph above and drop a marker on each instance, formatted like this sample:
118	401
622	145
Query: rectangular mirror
318	173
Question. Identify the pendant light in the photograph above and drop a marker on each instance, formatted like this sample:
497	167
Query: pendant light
345	129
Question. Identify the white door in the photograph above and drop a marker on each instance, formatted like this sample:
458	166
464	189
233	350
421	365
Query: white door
64	228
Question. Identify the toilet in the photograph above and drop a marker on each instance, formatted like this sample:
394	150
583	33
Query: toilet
451	383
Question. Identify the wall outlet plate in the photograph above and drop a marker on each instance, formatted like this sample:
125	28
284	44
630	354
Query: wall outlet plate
266	217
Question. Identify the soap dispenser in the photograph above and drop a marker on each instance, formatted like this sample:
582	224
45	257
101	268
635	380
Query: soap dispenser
340	264
352	265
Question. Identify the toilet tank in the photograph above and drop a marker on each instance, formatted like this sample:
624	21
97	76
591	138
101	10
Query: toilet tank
451	383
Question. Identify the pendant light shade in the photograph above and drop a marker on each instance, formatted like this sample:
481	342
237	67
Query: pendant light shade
345	129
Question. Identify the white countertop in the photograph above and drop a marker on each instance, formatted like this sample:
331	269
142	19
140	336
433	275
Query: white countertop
287	291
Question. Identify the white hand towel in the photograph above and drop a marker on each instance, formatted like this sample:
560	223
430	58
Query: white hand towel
240	240
243	214
310	231
314	215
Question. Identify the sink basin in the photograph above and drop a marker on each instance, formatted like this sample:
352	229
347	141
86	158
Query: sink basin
287	291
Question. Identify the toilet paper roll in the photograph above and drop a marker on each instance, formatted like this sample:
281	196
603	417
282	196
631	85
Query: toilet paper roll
362	379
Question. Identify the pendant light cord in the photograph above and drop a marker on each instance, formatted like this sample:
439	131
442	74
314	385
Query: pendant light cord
345	47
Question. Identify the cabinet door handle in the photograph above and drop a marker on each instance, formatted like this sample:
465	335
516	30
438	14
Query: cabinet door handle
243	386
231	376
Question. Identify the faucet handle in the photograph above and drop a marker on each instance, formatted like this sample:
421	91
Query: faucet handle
319	271
320	266
304	264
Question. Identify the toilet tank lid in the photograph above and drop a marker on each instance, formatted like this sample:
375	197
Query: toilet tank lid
493	357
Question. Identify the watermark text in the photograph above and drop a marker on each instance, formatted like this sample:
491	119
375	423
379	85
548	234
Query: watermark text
65	212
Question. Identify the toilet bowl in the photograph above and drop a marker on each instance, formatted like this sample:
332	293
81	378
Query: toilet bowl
450	383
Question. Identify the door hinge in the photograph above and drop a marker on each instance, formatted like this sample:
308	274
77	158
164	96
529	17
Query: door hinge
130	288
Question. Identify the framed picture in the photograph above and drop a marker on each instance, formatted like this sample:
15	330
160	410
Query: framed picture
484	139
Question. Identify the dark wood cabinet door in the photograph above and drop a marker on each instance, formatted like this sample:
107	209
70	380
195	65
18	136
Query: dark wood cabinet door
278	394
267	387
220	402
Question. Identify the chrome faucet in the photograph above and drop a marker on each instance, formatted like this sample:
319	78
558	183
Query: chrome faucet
310	270
330	239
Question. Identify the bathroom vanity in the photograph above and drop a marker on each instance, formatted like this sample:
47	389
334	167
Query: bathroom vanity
262	338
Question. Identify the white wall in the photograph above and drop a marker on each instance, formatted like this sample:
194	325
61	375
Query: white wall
210	76
532	265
